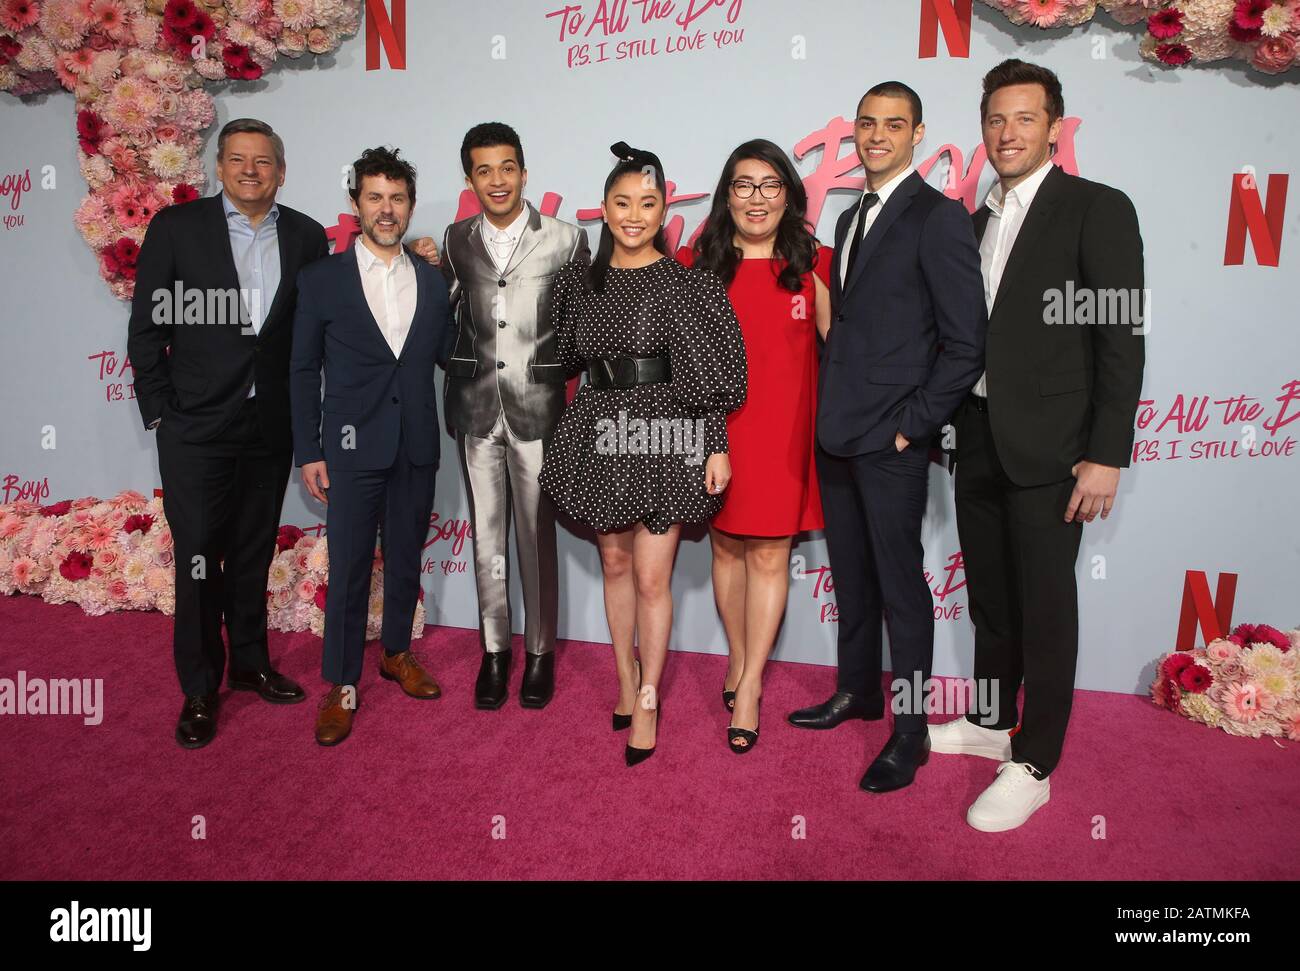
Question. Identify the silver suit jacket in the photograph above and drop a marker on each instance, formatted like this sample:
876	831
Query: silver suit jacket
505	353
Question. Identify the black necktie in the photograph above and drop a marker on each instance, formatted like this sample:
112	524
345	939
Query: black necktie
868	201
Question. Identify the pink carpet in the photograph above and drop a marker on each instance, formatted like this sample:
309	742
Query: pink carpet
417	789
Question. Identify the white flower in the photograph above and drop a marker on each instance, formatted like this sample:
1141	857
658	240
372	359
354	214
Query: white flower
168	160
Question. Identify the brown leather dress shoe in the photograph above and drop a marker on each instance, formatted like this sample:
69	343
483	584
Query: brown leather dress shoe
407	671
334	721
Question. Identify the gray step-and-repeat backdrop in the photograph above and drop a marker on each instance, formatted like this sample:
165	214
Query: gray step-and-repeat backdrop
1214	479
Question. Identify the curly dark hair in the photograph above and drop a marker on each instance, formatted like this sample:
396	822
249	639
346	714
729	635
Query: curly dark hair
794	248
490	134
382	161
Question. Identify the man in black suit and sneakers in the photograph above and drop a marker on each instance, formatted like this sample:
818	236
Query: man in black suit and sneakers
1044	434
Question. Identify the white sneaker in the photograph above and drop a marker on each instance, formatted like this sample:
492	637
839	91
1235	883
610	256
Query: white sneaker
960	737
1016	794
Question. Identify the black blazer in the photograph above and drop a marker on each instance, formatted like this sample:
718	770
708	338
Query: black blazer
371	397
907	329
1065	391
199	386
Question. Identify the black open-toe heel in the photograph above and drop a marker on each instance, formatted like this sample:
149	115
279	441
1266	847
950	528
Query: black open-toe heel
735	734
635	756
751	739
728	699
622	723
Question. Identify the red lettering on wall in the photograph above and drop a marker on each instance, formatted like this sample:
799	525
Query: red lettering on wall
1213	616
1247	214
954	17
390	31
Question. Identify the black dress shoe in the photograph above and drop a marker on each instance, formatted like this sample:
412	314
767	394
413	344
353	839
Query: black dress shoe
840	708
493	680
895	767
198	722
270	684
539	680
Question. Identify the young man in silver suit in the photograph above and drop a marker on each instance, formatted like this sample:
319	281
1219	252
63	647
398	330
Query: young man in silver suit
504	395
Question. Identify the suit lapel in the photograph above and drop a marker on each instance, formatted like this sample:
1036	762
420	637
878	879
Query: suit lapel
288	246
220	234
1037	221
351	265
841	237
528	239
421	292
981	220
898	201
479	244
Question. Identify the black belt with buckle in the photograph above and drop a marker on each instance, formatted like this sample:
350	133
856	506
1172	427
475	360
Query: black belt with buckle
628	372
979	404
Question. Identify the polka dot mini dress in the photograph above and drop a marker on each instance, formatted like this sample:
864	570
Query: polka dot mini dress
620	456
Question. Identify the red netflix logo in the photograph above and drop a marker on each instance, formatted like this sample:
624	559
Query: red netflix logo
1248	214
386	30
1214	616
954	17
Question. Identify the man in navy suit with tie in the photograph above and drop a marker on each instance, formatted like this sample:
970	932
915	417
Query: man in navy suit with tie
377	321
906	344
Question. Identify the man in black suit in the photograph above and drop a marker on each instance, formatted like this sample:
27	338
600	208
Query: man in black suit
377	320
1042	438
905	345
209	340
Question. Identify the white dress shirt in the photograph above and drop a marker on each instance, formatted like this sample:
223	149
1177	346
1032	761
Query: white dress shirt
884	192
501	243
1006	216
390	290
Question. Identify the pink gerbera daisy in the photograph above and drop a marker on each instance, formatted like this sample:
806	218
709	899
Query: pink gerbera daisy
18	15
1243	702
1042	13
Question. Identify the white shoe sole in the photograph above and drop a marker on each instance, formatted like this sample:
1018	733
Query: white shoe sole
1003	825
985	750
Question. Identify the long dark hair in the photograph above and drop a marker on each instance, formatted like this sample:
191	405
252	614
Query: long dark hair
630	160
794	250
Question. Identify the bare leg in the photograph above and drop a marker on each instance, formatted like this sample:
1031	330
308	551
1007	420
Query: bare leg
620	610
652	567
767	584
729	594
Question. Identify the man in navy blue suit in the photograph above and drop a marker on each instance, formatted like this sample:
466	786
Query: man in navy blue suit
905	346
377	320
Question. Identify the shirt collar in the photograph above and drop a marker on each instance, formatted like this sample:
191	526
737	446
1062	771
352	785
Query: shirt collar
232	210
513	230
884	192
1024	192
368	258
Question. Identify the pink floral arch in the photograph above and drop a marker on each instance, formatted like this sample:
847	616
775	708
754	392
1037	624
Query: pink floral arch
1263	33
139	70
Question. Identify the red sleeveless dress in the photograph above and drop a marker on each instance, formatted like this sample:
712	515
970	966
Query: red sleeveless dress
773	490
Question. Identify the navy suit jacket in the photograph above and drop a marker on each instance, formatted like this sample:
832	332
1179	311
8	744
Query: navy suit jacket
906	342
371	397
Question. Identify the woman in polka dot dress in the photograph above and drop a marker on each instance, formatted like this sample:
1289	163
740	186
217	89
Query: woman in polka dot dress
642	448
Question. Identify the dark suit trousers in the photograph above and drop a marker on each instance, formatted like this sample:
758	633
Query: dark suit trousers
402	496
222	499
873	505
1020	558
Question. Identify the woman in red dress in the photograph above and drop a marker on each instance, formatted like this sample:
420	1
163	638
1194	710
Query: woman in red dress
758	242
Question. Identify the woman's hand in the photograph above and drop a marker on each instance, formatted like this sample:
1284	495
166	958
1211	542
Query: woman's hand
717	473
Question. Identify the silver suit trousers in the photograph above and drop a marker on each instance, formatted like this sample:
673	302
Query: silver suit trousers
501	478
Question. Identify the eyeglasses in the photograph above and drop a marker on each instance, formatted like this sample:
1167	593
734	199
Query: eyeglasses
770	189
